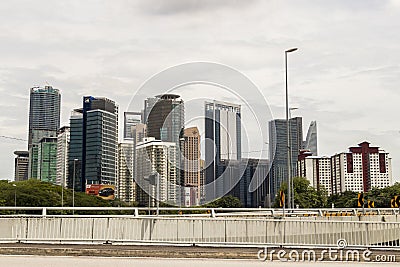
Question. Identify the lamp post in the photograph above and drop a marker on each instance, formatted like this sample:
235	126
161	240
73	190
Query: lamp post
290	154
73	186
289	160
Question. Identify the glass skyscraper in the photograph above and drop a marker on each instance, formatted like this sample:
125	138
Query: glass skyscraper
278	148
223	143
44	121
93	147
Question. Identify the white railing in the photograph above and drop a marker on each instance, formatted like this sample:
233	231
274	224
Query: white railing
208	212
198	230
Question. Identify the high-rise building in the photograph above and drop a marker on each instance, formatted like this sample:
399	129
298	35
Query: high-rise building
316	169
191	166
359	170
278	149
126	186
247	169
311	142
131	119
165	119
93	143
363	168
47	159
223	142
44	121
156	158
21	165
63	138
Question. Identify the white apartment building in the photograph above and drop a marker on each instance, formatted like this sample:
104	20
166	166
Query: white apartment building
63	137
359	170
155	157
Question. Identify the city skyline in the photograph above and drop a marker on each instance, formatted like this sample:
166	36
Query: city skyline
333	77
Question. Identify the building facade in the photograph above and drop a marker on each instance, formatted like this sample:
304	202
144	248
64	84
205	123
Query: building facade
156	158
47	159
63	137
278	149
131	119
223	143
93	149
44	121
359	170
21	164
311	142
191	168
126	186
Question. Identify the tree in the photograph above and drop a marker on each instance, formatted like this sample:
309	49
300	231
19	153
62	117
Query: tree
225	202
305	196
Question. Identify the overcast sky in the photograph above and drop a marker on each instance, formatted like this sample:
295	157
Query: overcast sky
345	74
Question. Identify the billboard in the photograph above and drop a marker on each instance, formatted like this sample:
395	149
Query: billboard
105	191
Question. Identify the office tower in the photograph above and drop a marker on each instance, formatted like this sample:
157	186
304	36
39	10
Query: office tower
44	121
21	164
131	119
223	141
191	166
278	148
93	143
47	159
202	181
63	137
165	118
359	170
311	143
247	169
155	157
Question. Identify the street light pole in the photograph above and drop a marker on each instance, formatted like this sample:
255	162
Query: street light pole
290	155
289	160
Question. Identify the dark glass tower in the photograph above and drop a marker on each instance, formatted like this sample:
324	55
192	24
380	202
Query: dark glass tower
278	145
93	146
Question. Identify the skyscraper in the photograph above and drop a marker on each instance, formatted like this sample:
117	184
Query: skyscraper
155	157
126	186
311	143
93	142
223	140
44	121
191	166
278	150
130	120
63	138
165	118
21	165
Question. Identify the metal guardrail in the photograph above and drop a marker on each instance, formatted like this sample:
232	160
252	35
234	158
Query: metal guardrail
199	230
215	212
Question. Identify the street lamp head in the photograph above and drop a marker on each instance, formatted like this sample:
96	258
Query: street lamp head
293	108
14	185
291	50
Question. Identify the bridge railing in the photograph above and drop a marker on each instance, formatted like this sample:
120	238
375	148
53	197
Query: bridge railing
208	212
199	230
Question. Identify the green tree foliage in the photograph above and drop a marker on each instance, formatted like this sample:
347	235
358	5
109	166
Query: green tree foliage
305	196
34	193
225	202
381	197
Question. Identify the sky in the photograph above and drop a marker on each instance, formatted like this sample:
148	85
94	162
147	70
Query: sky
345	74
